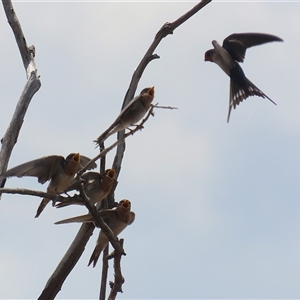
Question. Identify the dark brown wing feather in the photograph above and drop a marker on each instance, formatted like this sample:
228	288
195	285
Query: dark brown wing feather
236	44
132	217
42	168
84	160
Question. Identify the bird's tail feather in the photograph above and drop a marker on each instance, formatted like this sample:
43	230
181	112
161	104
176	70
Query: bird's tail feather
105	134
254	90
238	94
41	207
101	138
96	254
78	219
64	204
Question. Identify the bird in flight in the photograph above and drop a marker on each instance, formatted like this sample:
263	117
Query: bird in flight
228	56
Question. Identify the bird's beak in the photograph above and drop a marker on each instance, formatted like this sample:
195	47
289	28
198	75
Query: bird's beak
208	56
76	157
111	173
126	204
151	91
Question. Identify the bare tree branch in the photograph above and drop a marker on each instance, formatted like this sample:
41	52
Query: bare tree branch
33	193
32	86
53	286
104	273
116	286
166	29
105	204
27	53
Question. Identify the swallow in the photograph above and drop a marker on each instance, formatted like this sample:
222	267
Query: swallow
96	186
59	170
228	56
117	219
131	114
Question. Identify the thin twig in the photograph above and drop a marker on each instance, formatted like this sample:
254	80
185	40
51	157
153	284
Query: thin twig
164	107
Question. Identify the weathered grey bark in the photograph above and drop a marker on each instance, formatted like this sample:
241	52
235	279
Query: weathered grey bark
32	193
104	272
53	286
32	86
116	286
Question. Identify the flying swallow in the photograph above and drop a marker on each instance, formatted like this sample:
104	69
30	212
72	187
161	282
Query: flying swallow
228	56
96	186
131	114
117	219
57	169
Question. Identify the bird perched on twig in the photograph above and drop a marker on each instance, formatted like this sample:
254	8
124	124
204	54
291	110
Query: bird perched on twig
96	186
59	170
228	56
117	219
131	114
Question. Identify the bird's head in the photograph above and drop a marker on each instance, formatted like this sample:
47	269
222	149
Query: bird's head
111	173
76	157
125	204
208	56
73	156
71	163
148	90
151	91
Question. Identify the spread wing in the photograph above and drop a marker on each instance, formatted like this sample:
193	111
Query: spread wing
236	44
42	168
84	160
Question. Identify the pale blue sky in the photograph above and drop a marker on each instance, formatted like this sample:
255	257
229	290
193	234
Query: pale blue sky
217	205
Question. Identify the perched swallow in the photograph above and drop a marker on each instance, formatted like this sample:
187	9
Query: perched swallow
96	186
117	219
228	56
131	114
57	169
